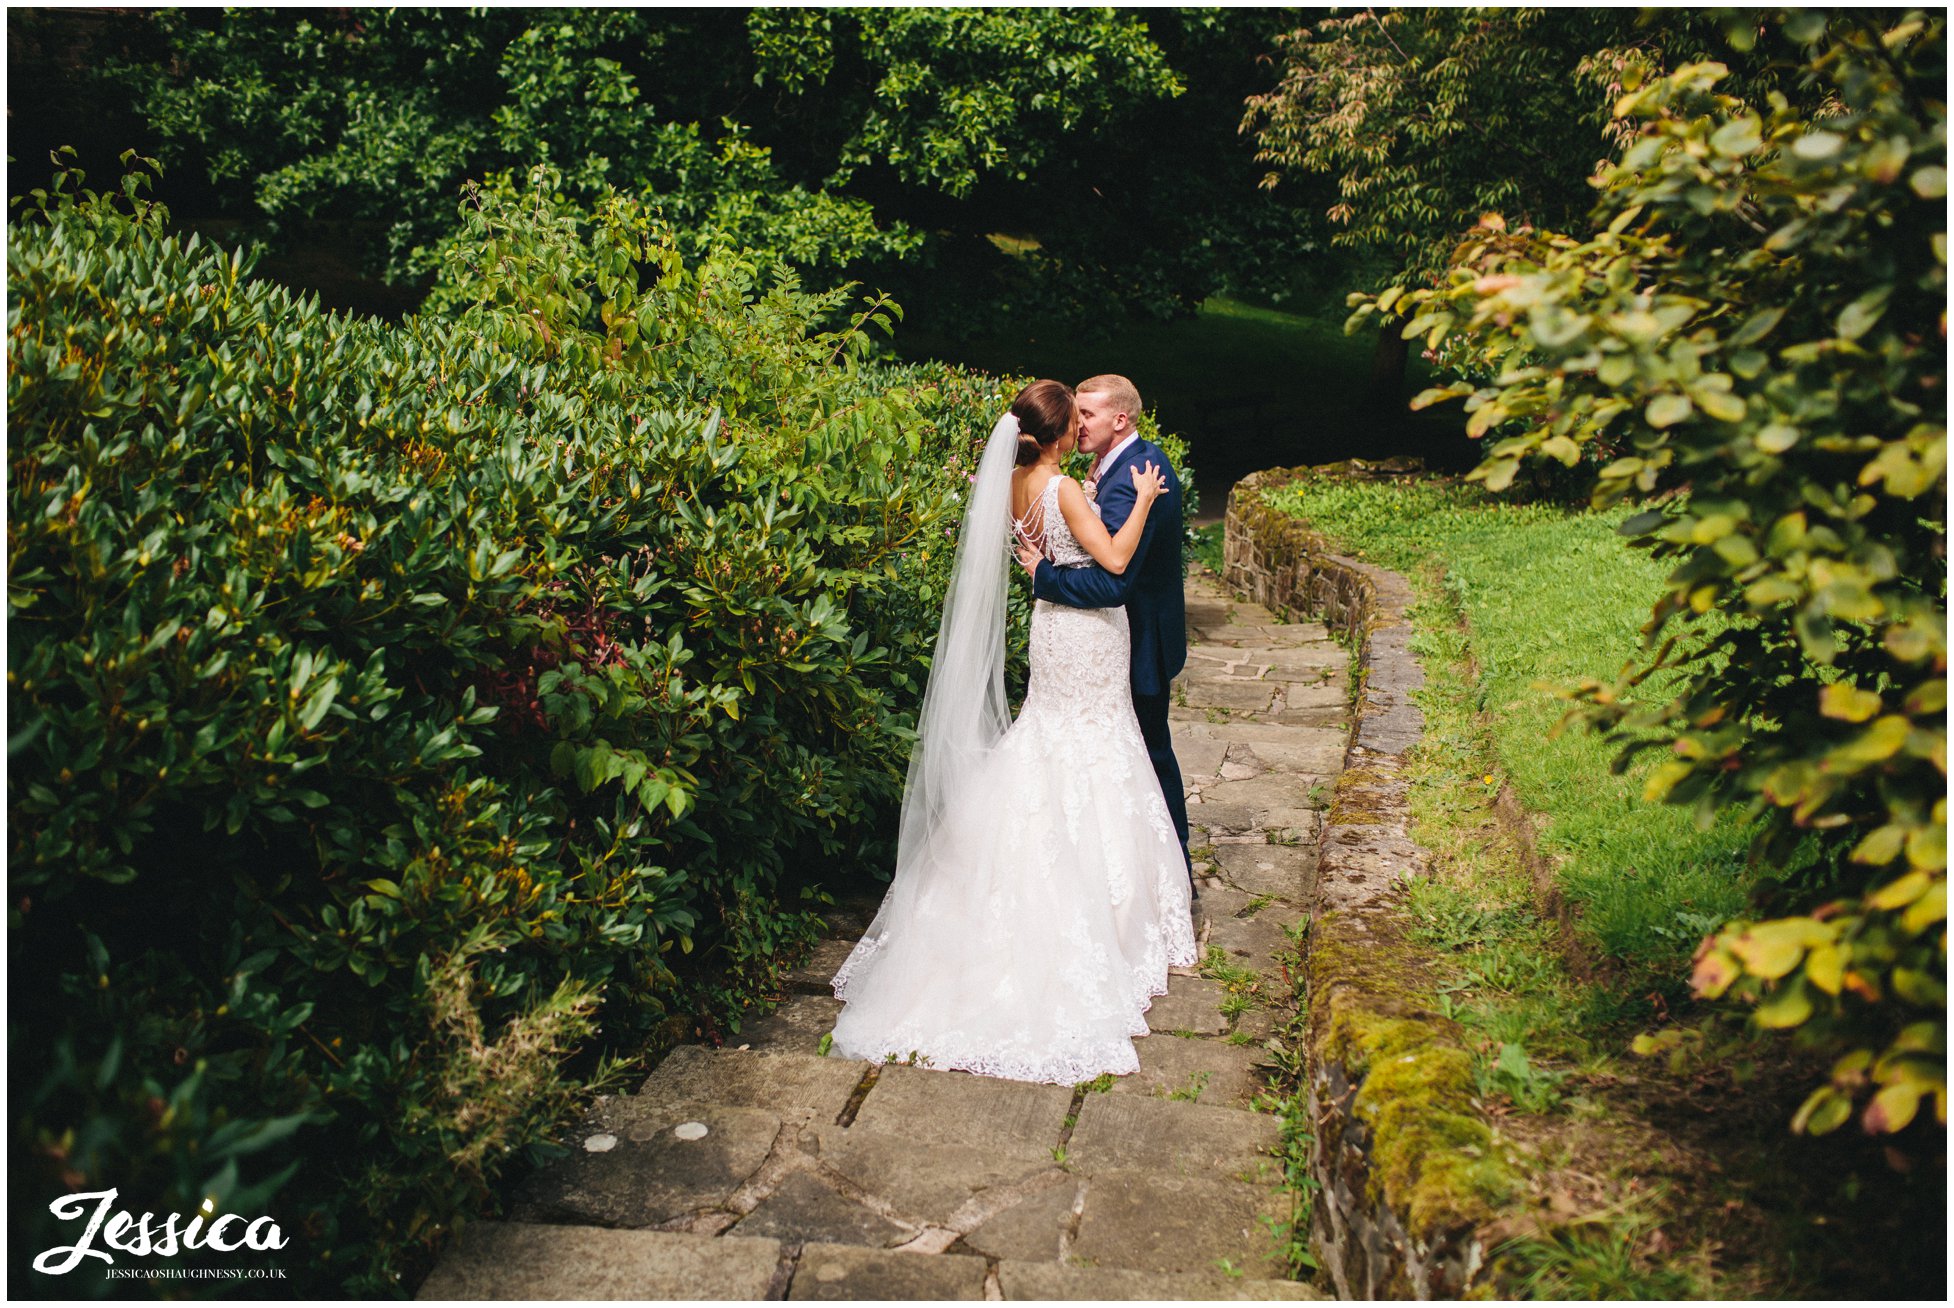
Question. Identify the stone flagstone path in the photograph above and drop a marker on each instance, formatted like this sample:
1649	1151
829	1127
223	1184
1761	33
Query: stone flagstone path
768	1172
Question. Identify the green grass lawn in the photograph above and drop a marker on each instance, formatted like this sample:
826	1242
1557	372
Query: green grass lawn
1548	597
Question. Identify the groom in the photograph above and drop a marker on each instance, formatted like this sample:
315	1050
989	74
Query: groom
1150	588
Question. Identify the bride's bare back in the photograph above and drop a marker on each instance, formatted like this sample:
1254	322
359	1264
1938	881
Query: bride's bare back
1111	552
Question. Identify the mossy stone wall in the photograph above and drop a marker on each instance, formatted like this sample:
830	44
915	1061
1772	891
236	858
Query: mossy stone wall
1407	1165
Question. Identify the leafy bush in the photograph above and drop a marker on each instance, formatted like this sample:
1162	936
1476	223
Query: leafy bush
1756	337
394	705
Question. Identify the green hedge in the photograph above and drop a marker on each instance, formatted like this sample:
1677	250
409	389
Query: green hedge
406	718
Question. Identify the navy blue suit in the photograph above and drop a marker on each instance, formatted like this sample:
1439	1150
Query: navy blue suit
1156	609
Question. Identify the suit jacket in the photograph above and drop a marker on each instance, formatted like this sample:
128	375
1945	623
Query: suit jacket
1151	586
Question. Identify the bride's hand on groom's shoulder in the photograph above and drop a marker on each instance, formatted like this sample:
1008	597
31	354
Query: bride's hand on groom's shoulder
1149	482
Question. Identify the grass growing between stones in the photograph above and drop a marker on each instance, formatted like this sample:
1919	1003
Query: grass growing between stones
1288	1099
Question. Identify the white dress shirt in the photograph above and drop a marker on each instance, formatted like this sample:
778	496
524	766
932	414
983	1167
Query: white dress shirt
1106	460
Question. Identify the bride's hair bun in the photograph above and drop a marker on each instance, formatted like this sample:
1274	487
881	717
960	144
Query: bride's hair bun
1044	412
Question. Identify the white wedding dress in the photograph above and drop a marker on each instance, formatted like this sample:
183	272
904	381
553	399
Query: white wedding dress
1028	938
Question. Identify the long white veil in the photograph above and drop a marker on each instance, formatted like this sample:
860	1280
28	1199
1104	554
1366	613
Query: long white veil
964	710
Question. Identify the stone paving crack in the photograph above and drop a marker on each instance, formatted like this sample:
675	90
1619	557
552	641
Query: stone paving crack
855	1192
1071	1121
847	1115
784	1159
988	1203
1069	1234
993	1290
783	1272
710	1221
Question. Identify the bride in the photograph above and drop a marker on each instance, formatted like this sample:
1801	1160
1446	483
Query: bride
1040	894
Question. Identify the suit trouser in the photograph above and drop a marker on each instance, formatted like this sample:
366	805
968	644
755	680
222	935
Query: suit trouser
1152	712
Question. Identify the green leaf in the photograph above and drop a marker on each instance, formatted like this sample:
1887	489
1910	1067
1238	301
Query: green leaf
1749	363
1878	743
1892	1108
1721	405
1846	702
1770	949
1790	1005
1667	410
1738	137
1497	474
1817	145
321	701
1561	448
1759	325
1823	1111
1918	987
1859	316
1881	846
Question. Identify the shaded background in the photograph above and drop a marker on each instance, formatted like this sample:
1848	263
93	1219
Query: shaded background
1140	242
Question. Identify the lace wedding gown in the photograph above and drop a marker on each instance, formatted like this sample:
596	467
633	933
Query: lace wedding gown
1053	898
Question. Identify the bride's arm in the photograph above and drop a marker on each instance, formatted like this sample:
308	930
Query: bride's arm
1111	552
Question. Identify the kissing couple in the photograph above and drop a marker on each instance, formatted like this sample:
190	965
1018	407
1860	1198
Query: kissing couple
1042	888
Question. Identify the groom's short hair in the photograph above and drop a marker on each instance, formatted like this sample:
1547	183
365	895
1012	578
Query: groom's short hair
1116	388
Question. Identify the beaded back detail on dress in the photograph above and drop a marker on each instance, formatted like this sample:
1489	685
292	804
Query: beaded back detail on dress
1061	546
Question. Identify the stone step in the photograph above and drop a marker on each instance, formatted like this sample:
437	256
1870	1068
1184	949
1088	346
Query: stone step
1284	871
515	1260
1270	733
1208	1071
815	971
1191	1004
1174	1138
1242	633
523	1260
748	1144
1304	658
796	1026
757	1092
742	1078
1054	1281
1205	1069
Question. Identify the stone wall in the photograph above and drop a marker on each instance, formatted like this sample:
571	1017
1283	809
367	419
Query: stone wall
1407	1168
